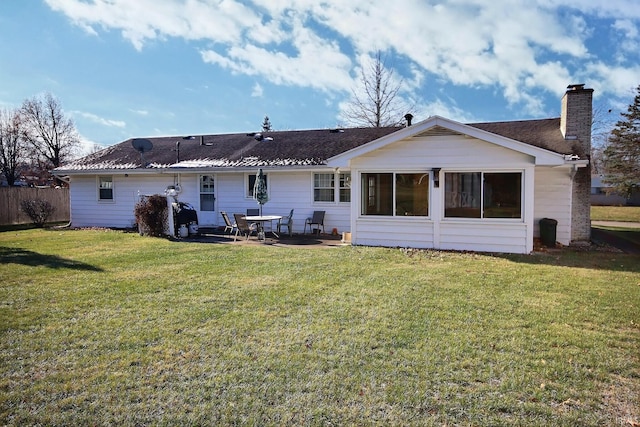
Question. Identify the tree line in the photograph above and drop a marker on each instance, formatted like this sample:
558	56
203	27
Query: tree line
35	138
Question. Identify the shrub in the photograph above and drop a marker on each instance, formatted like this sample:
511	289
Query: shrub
38	210
151	215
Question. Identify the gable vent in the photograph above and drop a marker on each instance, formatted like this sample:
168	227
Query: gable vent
437	131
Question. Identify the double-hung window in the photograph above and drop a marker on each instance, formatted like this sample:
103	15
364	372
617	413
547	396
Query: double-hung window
323	187
483	195
105	188
395	194
329	187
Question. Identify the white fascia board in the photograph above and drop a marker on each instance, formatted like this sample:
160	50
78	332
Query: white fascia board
541	156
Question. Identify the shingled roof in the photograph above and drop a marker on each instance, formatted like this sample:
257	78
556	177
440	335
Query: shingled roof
288	148
543	133
280	148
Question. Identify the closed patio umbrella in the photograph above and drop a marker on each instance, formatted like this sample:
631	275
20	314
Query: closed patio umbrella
260	193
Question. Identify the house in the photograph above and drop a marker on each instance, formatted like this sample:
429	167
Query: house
434	184
603	194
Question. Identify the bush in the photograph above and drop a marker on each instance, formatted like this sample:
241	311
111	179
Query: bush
38	210
151	215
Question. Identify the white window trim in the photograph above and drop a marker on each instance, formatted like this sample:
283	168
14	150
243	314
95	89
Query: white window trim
113	189
336	189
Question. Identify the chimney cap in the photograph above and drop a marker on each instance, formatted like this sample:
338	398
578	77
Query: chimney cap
578	86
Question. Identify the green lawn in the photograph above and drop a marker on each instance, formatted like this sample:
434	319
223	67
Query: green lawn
615	213
110	328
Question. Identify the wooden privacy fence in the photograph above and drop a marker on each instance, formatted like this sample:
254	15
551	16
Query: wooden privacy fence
11	197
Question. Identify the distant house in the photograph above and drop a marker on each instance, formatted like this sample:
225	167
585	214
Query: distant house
434	184
603	194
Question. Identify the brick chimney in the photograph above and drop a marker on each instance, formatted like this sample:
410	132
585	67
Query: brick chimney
575	125
577	110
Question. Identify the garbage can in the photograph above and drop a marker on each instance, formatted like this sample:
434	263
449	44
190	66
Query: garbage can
548	232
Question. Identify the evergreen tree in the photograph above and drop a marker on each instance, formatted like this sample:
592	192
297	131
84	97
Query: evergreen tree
622	155
266	124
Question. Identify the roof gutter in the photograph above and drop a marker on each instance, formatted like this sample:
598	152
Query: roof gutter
575	165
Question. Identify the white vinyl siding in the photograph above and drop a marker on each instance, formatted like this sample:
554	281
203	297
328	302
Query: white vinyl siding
87	212
553	200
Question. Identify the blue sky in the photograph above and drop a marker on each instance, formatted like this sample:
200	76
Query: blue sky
141	68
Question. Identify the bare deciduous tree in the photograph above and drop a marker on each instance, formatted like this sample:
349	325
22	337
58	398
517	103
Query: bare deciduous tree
95	147
51	134
377	102
13	150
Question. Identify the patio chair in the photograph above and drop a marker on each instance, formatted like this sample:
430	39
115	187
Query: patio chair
228	225
286	221
316	219
243	227
253	212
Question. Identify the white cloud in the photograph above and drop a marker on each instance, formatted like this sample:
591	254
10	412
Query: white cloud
257	91
629	39
317	63
87	146
100	120
144	20
524	51
140	112
627	27
618	81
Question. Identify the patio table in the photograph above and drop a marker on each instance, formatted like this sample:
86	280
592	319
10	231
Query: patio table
261	220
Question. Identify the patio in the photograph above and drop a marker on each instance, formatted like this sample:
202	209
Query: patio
217	235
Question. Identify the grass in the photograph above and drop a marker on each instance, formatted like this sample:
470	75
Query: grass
615	213
618	214
110	328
